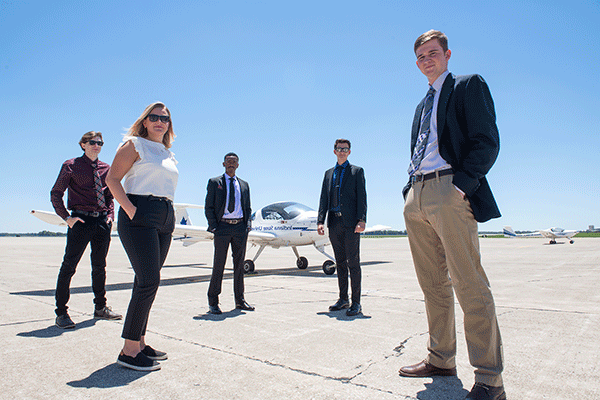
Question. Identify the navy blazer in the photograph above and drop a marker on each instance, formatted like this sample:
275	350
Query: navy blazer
353	196
216	194
468	139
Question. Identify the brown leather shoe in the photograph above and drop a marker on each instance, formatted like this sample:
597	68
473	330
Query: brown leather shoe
424	369
481	391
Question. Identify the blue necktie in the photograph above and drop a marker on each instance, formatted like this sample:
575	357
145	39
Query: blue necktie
419	151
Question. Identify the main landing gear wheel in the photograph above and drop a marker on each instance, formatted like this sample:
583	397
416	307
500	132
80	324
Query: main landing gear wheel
302	263
571	241
329	267
248	266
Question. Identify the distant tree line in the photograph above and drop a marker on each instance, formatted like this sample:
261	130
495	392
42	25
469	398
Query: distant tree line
42	233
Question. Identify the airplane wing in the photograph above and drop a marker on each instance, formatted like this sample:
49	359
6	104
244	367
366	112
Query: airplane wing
187	205
192	231
54	219
190	234
260	238
49	217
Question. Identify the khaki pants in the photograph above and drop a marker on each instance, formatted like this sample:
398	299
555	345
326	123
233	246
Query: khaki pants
443	240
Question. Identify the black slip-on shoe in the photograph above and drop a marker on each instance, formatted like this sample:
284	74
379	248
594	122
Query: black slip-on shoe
141	362
154	354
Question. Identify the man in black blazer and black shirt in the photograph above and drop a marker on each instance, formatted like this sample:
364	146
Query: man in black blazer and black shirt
344	202
227	209
454	144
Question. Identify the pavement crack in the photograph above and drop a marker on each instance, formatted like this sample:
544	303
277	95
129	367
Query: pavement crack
348	380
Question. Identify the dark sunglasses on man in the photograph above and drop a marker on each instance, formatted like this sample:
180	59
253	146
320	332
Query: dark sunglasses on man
96	142
163	118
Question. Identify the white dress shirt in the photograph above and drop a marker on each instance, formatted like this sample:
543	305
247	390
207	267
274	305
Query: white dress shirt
432	160
237	212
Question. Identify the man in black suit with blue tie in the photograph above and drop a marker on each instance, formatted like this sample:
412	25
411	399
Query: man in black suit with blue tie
344	202
454	144
227	209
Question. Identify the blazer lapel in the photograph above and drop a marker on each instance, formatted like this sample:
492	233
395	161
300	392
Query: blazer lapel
447	89
347	174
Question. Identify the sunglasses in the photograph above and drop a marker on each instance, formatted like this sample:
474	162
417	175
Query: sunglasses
163	118
94	142
342	149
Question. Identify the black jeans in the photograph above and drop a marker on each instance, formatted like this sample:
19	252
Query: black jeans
146	239
225	234
346	248
95	231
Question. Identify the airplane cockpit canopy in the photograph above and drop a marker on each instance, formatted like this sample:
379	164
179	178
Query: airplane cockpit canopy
283	211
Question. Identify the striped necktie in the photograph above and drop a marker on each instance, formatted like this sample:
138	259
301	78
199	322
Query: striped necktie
98	187
421	144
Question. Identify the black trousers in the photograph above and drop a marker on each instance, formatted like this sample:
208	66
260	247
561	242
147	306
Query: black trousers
346	249
146	239
237	236
95	231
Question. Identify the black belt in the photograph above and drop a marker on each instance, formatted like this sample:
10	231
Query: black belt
232	221
94	214
149	197
431	175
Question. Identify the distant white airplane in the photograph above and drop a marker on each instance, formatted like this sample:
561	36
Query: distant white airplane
550	233
283	224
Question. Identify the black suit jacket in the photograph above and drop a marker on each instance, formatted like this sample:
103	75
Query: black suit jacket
468	139
353	197
216	194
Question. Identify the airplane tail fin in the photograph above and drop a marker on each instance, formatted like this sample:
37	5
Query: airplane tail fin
508	232
181	215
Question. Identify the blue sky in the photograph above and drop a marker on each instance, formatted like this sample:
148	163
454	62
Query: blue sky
277	82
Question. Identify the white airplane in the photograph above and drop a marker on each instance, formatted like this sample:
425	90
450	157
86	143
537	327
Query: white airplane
287	224
550	233
283	224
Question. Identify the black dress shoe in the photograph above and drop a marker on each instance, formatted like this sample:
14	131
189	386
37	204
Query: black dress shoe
214	310
244	306
354	309
481	391
64	322
424	370
339	305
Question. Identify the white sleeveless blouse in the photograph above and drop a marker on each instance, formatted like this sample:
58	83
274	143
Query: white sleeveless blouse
155	173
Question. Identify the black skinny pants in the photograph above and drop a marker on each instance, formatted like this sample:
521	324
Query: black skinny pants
96	231
346	249
146	239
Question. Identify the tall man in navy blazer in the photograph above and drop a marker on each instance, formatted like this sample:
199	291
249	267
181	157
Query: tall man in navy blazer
227	209
447	194
344	202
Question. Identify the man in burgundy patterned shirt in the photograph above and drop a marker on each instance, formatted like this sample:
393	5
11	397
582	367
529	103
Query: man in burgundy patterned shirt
90	221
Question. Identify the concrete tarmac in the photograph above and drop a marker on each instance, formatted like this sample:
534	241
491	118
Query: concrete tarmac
547	299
